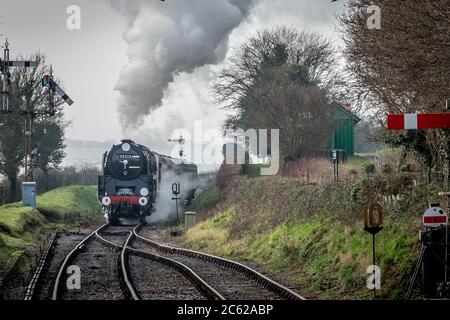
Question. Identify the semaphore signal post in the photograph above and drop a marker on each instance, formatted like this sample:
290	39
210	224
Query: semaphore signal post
434	255
28	112
414	121
5	66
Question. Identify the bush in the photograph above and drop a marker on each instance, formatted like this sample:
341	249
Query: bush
67	176
386	169
406	168
228	176
368	169
356	189
207	198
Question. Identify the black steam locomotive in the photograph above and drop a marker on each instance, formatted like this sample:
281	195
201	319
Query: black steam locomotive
132	179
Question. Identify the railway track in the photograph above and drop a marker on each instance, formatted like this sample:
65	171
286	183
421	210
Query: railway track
233	280
35	283
98	264
134	267
119	240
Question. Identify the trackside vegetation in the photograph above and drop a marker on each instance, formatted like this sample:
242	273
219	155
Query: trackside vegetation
23	228
312	235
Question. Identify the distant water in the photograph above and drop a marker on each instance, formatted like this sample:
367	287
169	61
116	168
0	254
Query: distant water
85	152
80	153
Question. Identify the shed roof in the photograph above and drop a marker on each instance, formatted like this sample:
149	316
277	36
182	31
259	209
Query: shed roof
347	112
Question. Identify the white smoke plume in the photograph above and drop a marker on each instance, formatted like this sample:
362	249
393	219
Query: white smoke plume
168	38
165	207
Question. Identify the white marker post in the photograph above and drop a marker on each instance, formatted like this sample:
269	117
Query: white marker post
435	217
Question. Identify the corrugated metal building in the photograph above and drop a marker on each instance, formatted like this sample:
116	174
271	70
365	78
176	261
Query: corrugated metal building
344	133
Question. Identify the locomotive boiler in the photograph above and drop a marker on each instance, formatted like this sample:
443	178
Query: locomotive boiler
134	177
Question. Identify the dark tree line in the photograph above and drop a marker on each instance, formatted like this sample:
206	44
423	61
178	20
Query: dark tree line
55	178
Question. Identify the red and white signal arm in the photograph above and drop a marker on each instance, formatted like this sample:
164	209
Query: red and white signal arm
435	217
418	121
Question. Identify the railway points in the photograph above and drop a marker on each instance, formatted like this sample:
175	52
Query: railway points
181	274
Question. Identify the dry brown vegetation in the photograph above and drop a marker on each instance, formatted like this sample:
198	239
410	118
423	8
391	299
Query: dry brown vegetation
313	233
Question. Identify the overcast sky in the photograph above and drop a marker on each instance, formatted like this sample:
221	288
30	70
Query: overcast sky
119	47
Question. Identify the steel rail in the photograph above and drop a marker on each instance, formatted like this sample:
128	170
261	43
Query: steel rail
124	275
125	268
207	290
30	291
69	258
261	279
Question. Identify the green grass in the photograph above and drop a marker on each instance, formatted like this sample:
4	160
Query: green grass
69	201
314	235
21	228
207	199
318	254
356	162
14	218
254	170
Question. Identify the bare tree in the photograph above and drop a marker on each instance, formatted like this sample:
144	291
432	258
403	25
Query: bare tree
276	47
404	66
284	79
301	111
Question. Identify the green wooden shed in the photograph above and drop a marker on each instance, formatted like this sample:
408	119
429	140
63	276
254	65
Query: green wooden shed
344	133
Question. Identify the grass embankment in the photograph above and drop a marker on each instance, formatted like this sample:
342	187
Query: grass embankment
313	235
22	228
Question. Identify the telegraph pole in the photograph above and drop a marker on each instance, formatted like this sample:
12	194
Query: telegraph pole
181	141
28	136
5	66
28	111
6	77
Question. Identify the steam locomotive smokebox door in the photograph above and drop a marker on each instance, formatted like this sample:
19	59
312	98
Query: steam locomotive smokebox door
29	194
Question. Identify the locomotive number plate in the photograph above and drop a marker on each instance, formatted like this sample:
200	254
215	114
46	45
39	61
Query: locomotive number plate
125	156
125	192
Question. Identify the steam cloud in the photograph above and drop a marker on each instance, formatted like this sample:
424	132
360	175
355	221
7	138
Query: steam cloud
165	207
168	38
